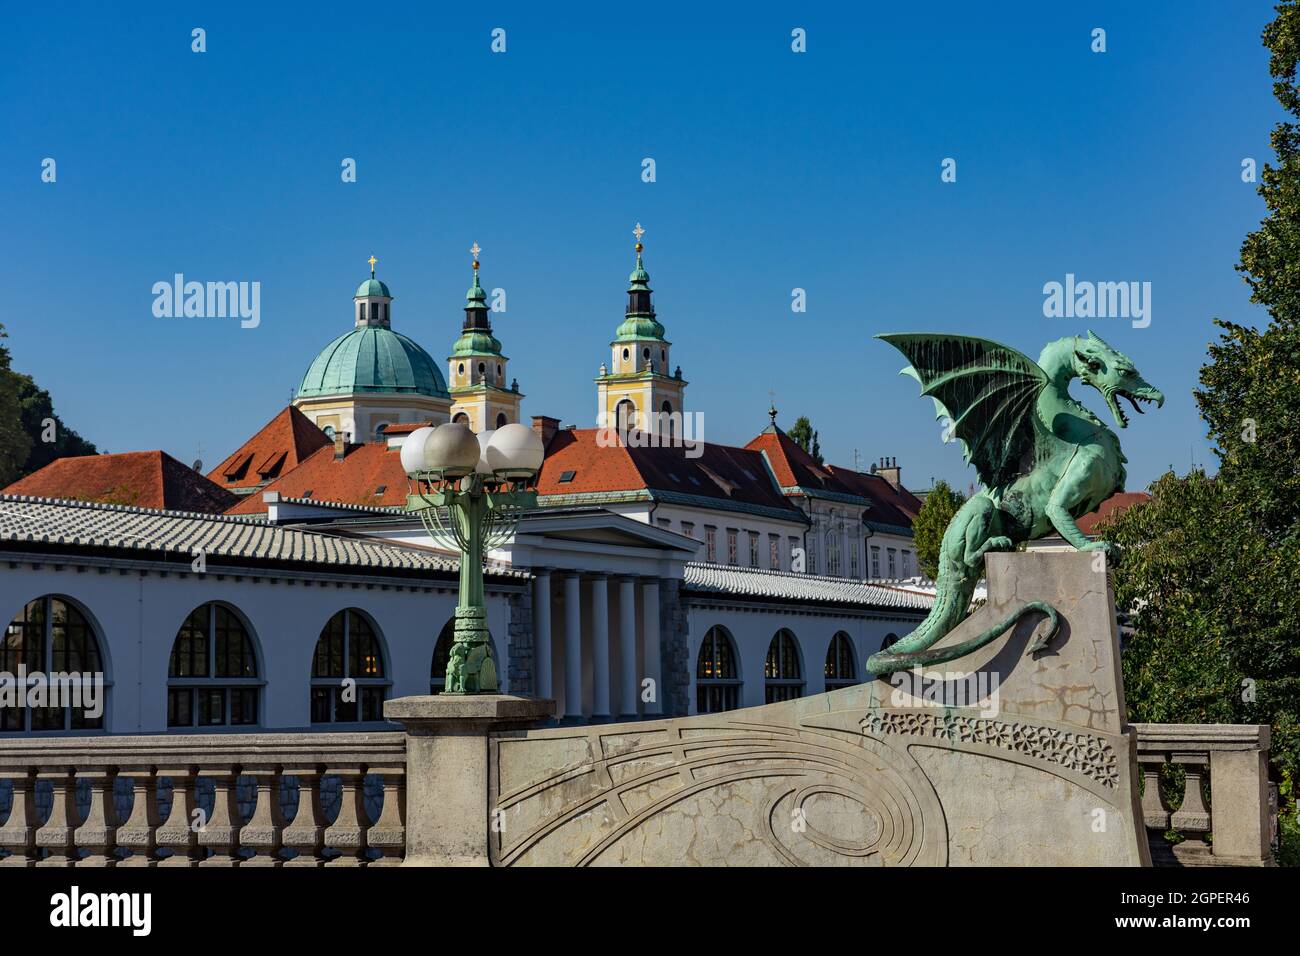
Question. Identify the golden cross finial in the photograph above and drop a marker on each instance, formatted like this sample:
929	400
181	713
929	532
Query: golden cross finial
372	260
638	232
474	250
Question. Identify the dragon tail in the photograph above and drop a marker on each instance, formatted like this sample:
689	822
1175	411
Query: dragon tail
887	661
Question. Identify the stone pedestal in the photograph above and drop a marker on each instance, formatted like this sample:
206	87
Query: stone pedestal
448	807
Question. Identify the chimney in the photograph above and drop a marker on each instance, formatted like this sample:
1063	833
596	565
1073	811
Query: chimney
889	470
546	427
340	445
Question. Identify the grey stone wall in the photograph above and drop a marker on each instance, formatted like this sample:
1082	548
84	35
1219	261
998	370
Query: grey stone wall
520	666
674	648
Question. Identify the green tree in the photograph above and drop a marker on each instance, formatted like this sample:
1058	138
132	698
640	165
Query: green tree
41	424
15	444
803	435
931	522
1211	566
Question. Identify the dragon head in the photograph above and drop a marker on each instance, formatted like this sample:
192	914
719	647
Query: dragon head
1112	373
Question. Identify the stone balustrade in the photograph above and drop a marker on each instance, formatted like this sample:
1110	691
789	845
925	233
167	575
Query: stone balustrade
340	799
293	799
1233	759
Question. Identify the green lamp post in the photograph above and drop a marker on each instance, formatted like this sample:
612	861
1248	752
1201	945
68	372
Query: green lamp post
482	483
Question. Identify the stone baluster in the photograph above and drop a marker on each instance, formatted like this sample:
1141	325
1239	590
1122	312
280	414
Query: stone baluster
1239	787
18	835
1192	819
179	833
56	835
138	834
265	831
388	833
306	833
221	832
347	833
1155	808
98	832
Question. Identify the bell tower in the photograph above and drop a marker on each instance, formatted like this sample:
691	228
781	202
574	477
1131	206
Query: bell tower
476	369
637	386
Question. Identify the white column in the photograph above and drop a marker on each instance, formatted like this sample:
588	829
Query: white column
542	633
627	662
600	646
650	625
572	645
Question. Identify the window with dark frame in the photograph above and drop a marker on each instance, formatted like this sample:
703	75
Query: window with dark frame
48	636
348	650
841	668
212	674
717	681
782	673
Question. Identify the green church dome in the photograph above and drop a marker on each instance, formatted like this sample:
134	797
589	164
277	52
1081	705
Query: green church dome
370	287
373	359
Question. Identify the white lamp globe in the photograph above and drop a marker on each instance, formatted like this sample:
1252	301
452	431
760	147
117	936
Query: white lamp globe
413	449
452	450
515	451
482	467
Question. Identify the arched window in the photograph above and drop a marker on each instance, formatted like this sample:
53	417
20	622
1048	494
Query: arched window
442	654
624	417
379	430
49	637
667	427
889	641
212	678
501	419
783	677
329	432
461	418
347	671
841	669
717	681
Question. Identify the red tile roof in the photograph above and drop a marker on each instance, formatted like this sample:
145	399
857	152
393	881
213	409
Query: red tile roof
147	479
277	448
795	468
353	479
735	476
1119	502
405	428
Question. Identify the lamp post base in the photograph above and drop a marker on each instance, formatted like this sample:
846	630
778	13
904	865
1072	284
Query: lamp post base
470	668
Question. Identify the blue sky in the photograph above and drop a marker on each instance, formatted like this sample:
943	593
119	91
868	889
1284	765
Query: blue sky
775	170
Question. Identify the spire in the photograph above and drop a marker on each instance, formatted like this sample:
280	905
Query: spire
476	336
639	319
476	309
638	290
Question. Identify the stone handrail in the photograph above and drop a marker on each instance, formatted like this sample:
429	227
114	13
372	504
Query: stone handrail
159	818
1235	758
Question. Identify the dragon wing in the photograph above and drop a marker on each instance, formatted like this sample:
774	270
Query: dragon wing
988	391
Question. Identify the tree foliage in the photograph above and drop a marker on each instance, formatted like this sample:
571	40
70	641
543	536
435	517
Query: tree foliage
1212	565
15	444
31	434
931	522
803	435
40	422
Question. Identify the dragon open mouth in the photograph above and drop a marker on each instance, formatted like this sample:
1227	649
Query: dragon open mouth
1137	399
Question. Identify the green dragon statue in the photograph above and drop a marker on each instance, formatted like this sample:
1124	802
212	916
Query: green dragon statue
1043	458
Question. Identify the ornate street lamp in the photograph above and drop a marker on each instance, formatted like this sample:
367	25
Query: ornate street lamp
483	484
